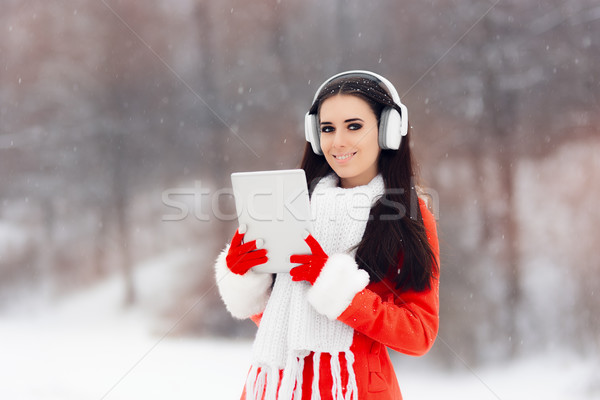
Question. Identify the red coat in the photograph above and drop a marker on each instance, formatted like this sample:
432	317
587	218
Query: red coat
381	319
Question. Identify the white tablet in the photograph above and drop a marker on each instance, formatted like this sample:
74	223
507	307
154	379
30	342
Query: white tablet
274	206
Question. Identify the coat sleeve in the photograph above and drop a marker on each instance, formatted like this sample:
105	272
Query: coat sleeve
256	318
244	295
408	322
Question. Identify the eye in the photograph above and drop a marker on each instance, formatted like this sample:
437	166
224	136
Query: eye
327	129
354	126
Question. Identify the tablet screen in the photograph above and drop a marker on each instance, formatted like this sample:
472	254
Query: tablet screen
275	207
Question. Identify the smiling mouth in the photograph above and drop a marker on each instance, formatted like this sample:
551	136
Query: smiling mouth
343	156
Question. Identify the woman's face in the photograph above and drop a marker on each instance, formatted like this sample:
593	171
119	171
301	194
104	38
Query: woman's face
349	139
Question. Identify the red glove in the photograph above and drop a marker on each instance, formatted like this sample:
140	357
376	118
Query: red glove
242	257
312	264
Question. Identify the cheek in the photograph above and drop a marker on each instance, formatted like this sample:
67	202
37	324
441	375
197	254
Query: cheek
373	150
371	143
325	141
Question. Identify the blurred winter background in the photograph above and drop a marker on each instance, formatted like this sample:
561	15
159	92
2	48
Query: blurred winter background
120	123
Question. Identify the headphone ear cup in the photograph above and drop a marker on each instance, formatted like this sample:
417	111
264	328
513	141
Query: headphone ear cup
403	120
390	126
311	132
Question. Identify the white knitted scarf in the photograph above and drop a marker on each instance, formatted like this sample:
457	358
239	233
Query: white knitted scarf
290	328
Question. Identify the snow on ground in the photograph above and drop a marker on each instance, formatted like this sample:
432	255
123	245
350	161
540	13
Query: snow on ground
88	347
548	377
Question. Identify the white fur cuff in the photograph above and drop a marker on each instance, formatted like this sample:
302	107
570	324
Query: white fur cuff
244	295
339	281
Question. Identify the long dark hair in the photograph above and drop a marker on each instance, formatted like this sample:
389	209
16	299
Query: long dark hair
394	244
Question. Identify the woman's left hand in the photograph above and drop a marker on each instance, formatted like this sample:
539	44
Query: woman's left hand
311	264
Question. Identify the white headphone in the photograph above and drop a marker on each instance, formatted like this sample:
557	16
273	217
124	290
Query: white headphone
392	124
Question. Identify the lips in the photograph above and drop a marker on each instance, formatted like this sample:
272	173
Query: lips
344	157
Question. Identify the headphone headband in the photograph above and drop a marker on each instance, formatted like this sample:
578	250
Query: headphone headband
365	74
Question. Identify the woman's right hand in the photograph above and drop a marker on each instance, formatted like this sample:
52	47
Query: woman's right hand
241	257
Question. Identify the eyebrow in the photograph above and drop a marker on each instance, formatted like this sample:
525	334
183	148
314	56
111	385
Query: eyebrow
346	121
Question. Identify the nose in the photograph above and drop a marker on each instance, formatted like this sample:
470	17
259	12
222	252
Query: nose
340	139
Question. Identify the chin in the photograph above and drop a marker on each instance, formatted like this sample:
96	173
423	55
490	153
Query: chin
342	172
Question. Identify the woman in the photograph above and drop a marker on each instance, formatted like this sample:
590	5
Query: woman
371	280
